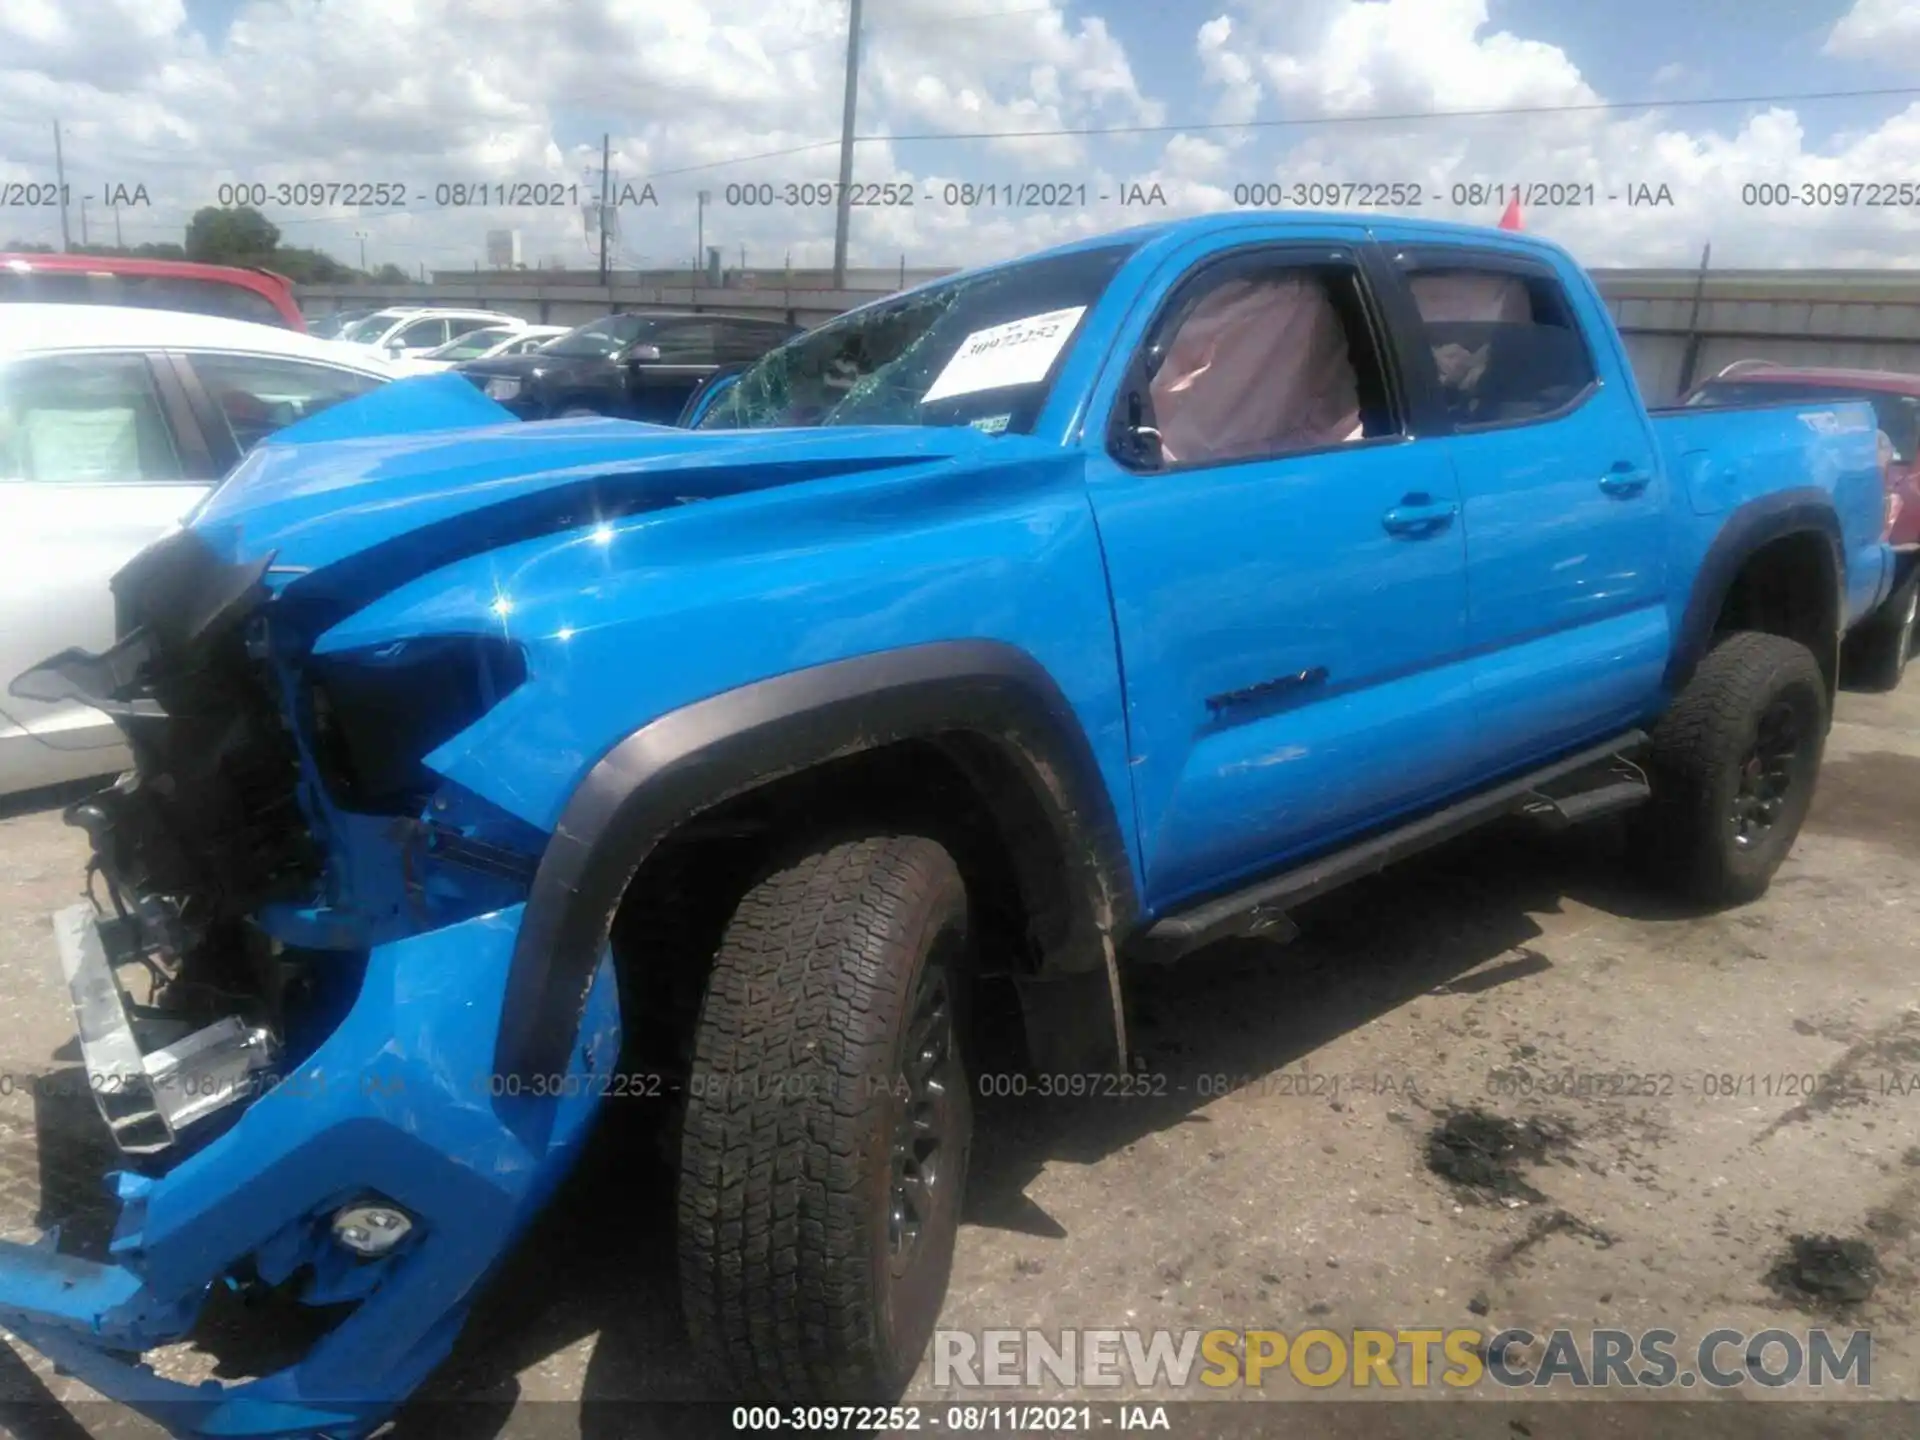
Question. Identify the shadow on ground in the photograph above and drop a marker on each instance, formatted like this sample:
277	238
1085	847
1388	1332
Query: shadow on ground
601	1260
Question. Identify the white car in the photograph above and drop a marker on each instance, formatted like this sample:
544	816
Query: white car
114	423
408	332
484	344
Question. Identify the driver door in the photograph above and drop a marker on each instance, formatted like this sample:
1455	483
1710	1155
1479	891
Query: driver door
1287	567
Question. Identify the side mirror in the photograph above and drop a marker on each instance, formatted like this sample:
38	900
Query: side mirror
396	347
643	354
1138	444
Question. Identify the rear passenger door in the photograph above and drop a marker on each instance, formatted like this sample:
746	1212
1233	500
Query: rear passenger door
1287	566
1564	499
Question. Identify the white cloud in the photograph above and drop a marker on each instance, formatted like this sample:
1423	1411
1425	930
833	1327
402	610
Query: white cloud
1222	66
1884	30
425	91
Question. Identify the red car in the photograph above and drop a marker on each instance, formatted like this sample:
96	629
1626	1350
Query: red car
229	290
1881	645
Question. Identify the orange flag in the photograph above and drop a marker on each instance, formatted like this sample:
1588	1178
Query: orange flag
1511	220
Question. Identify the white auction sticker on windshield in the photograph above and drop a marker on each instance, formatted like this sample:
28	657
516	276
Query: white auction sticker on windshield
1017	353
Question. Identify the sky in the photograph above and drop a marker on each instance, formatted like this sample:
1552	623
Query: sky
1779	131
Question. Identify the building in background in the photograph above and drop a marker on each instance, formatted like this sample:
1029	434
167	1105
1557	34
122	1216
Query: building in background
503	250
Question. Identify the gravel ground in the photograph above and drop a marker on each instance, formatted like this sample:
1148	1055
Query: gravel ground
1283	1173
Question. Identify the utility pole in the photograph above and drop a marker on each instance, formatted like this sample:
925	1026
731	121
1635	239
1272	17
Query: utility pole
361	236
700	201
60	178
1690	355
118	243
843	210
83	222
606	198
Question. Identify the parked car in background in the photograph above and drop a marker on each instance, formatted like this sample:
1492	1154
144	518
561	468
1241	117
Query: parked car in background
1878	651
408	332
633	366
329	327
231	291
113	424
1062	615
485	344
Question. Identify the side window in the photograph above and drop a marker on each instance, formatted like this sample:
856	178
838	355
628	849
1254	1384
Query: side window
1261	361
422	332
84	419
457	328
1505	345
745	341
691	342
257	395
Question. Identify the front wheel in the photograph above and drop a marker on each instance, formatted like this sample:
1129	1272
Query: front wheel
828	1125
1732	766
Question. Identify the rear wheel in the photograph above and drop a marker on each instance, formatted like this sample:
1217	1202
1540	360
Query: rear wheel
1732	768
1877	654
828	1125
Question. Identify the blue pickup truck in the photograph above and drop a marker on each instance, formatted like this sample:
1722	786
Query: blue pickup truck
1053	619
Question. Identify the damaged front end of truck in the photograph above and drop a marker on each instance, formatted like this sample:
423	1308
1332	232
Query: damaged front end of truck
288	985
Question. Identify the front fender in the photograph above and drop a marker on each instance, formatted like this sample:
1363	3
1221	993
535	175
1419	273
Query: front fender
695	757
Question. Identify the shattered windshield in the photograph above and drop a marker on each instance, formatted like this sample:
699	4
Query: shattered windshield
979	350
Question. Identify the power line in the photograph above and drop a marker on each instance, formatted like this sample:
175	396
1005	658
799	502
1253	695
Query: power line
1907	91
1408	115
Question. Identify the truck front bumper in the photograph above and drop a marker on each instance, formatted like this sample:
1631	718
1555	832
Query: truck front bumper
398	1107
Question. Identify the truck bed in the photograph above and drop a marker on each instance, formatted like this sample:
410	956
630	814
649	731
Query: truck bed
1721	457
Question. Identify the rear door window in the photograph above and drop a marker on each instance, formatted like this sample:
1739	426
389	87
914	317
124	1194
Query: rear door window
686	342
1505	345
422	332
85	419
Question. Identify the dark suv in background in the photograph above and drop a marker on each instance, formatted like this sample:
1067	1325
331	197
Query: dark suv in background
633	366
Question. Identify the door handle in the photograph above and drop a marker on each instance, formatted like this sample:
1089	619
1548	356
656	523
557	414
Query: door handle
1418	516
1625	481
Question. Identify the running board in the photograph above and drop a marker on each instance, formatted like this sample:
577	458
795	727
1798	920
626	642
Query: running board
1260	909
1621	787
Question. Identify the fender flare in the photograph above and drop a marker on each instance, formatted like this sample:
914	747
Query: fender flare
1743	533
714	749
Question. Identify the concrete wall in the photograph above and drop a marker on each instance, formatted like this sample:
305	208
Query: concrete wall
1869	319
573	297
1864	319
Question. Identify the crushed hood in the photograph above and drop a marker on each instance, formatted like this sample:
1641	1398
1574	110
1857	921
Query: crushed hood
421	473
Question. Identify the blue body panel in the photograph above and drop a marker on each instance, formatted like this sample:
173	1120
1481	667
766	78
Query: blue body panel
1260	663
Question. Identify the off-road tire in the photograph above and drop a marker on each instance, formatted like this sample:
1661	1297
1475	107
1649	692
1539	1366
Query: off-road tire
798	1103
1875	658
1702	766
